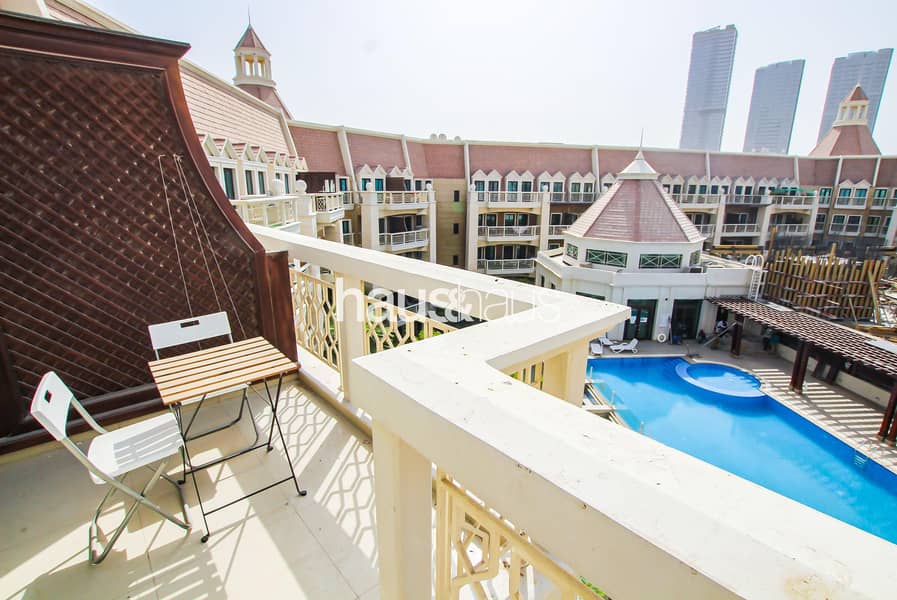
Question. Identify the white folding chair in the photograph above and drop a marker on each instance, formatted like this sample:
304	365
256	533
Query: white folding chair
112	454
196	329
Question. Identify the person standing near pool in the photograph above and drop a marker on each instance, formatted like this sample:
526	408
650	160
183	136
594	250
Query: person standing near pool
767	338
773	341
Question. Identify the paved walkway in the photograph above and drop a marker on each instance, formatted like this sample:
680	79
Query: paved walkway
842	413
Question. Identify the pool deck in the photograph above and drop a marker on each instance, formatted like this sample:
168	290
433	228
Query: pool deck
842	413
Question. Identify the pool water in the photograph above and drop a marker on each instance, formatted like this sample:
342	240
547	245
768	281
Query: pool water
717	414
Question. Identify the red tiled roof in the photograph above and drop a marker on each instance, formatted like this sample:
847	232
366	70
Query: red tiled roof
375	150
250	39
636	210
418	157
756	165
444	160
320	147
817	171
222	113
268	95
505	159
858	169
846	140
887	172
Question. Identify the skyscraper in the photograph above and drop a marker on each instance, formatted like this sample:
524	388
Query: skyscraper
709	76
868	69
773	104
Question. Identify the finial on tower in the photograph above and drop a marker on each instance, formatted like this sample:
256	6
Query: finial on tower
249	14
641	139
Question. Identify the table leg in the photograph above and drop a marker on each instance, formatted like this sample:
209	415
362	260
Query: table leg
185	455
275	421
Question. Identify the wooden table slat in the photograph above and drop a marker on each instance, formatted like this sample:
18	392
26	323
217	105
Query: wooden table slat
201	377
224	361
222	382
183	359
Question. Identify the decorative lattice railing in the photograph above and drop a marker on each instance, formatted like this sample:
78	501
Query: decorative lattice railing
314	308
389	326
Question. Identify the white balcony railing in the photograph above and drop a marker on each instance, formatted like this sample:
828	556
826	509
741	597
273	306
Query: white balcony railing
509	198
516	232
703	199
706	229
506	266
579	197
790	228
597	502
751	200
329	207
351	239
557	230
274	211
843	229
853	202
404	240
397	200
741	228
785	201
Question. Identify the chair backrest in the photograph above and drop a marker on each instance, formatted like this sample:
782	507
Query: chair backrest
50	404
185	331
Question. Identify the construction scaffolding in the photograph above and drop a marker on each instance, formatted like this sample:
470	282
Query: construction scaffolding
826	286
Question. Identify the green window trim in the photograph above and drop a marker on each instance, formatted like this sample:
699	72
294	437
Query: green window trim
572	251
660	261
604	257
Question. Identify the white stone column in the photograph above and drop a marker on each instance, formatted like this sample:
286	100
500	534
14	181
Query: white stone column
473	213
370	219
403	492
431	220
763	217
564	375
350	325
720	219
544	216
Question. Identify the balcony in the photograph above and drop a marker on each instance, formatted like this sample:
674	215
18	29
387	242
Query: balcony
404	240
790	229
350	199
851	202
509	199
843	229
706	229
274	211
506	266
752	200
403	200
793	202
352	239
557	230
741	229
578	198
329	207
513	233
696	199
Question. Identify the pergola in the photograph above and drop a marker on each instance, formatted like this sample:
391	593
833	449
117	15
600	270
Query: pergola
836	345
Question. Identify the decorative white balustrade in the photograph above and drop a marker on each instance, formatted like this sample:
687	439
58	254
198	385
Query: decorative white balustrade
791	228
557	230
751	200
528	485
397	200
802	202
706	229
404	240
740	228
579	197
844	229
274	211
517	232
353	239
510	198
329	207
701	199
506	266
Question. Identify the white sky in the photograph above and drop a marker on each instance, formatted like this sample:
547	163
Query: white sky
575	71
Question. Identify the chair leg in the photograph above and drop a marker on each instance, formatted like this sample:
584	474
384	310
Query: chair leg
139	499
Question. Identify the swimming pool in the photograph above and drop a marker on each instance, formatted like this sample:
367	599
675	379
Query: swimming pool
717	413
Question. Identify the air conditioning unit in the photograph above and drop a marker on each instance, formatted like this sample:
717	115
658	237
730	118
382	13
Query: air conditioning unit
697	269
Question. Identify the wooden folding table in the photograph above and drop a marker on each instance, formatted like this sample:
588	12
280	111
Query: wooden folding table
197	374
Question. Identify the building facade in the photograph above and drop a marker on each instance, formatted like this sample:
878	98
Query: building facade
707	95
773	106
867	69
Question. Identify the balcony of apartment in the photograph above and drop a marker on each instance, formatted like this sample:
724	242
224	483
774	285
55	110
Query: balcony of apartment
463	463
508	200
740	229
575	197
274	211
557	230
844	229
687	200
852	202
706	229
403	200
350	199
506	266
404	240
508	233
351	239
787	202
329	207
749	199
790	229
